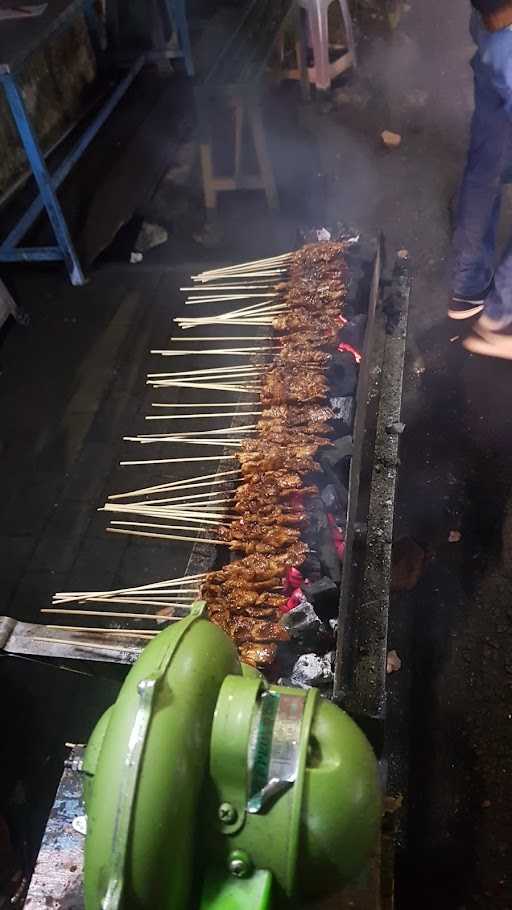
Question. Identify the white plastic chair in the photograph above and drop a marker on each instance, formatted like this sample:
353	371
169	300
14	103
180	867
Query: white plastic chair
323	71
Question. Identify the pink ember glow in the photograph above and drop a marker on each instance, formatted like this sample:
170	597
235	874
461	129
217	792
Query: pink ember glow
344	346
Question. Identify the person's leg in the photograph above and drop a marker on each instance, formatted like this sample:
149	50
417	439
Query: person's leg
480	196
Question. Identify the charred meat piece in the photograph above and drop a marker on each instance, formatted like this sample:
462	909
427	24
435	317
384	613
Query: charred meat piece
272	600
247	629
294	462
258	655
248	531
295	415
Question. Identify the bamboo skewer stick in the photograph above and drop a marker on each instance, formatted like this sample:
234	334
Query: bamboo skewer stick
195	512
210	521
189	324
221	352
185	604
206	506
165	536
240	371
221	338
152	524
177	484
242	312
215	372
220	298
283	257
157	588
235	272
245	428
149	616
172	583
205	404
83	644
149	440
155	600
199	416
185	499
201	520
219	505
277	258
178	460
134	633
198	385
229	287
163	488
269	273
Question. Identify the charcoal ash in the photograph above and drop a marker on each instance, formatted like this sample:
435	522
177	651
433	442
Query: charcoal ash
323	594
335	500
313	671
326	551
338	452
342	374
311	567
338	477
344	411
307	629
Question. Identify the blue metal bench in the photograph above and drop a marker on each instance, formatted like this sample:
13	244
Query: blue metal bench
18	40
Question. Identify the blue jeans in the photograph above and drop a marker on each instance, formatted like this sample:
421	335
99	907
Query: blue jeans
488	166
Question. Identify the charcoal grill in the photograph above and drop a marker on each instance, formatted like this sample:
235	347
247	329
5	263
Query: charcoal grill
360	664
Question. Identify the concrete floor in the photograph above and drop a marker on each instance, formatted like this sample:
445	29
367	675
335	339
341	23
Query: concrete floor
72	385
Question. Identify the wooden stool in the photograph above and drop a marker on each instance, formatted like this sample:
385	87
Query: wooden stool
247	125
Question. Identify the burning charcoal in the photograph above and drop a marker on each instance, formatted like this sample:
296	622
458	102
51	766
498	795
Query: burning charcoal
302	621
353	331
323	594
328	556
330	498
311	670
341	449
342	373
333	475
344	412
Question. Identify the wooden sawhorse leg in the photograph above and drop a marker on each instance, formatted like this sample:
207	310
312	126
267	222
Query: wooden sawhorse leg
246	110
263	157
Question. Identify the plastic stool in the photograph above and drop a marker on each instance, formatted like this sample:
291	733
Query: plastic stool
323	71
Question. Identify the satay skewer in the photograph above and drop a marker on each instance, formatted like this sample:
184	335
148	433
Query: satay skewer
254	262
133	633
179	338
179	460
220	352
149	440
132	533
203	480
219	298
181	581
199	416
114	615
245	428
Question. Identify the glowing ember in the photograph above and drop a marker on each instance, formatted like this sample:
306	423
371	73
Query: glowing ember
296	598
338	537
292	580
344	346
